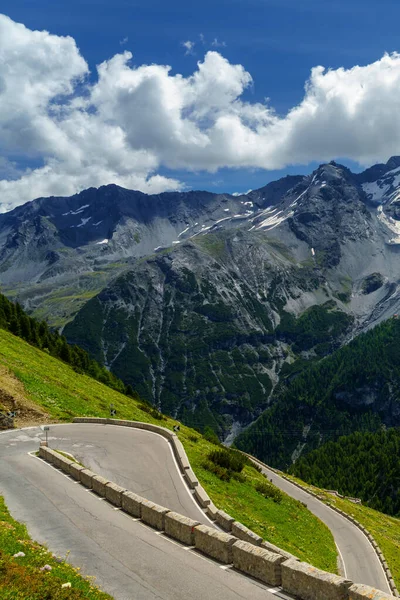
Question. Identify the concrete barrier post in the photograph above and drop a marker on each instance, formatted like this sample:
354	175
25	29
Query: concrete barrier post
214	543
309	583
180	528
131	503
153	514
257	562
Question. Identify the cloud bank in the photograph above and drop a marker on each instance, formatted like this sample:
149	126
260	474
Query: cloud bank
132	120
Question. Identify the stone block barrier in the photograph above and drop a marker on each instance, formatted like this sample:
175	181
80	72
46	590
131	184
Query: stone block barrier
216	544
309	583
86	478
132	504
276	550
153	514
224	520
99	485
65	464
201	496
75	471
244	533
237	545
211	511
191	479
114	493
180	528
362	592
258	562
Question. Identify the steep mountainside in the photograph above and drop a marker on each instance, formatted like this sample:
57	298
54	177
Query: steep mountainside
200	300
193	330
357	388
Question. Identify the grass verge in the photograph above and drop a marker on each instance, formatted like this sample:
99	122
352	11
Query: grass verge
21	577
55	387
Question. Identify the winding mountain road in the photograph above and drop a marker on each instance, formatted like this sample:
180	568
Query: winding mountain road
359	561
128	559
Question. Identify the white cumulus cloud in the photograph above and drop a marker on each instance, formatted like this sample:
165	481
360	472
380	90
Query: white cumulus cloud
126	122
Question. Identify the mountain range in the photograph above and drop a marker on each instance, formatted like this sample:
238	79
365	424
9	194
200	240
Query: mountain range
204	302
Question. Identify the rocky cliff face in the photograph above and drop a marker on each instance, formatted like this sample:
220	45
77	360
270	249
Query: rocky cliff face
200	300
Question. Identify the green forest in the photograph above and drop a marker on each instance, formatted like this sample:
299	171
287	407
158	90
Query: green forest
357	388
362	465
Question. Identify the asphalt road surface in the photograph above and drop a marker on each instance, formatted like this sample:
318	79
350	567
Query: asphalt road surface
129	560
359	560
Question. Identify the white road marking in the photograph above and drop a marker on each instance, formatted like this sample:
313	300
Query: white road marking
342	561
278	592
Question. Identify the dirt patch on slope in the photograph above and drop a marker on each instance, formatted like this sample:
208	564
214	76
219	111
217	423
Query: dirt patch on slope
13	397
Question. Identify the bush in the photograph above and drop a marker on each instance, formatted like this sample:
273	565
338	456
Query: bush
210	435
150	410
193	438
269	491
228	459
221	472
241	477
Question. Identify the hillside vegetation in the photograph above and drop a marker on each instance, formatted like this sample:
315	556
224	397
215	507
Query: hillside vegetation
364	465
357	388
63	393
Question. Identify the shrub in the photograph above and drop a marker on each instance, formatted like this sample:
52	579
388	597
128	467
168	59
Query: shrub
269	491
229	459
221	472
210	435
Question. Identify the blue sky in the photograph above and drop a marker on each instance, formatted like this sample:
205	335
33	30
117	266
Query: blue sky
277	42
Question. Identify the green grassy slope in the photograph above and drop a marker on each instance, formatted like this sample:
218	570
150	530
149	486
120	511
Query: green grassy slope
63	393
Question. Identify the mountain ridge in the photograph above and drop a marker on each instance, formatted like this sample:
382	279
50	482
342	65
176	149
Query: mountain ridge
199	300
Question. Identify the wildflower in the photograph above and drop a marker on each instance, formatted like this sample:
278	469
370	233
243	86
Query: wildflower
45	568
66	585
19	554
57	558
